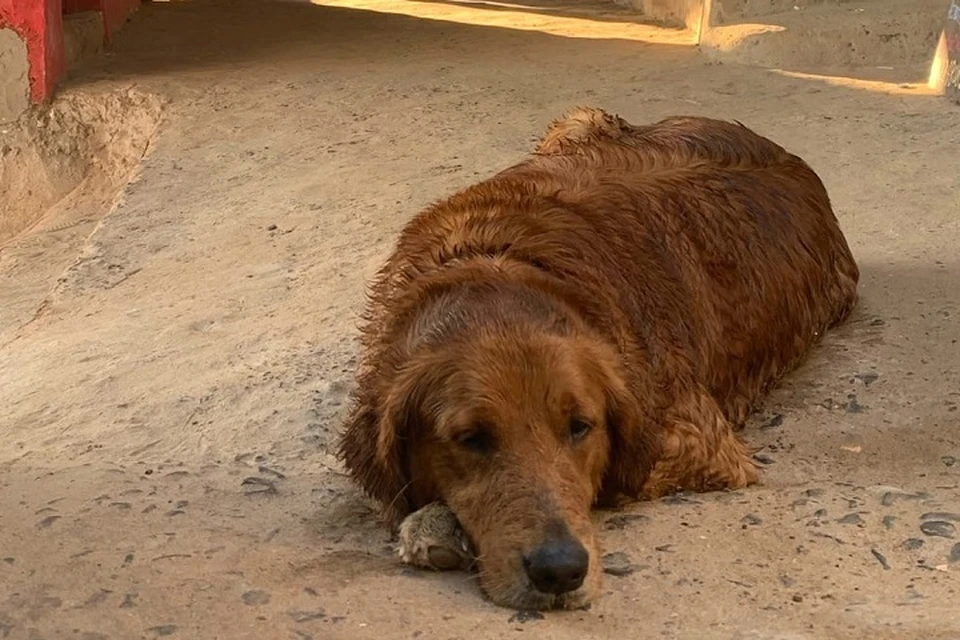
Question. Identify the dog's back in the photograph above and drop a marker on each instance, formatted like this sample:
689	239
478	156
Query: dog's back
708	246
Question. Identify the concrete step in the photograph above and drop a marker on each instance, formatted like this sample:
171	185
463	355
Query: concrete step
835	34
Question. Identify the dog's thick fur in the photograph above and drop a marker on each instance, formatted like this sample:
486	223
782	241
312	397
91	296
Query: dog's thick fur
594	322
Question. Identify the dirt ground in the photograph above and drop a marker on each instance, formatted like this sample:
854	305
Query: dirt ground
173	370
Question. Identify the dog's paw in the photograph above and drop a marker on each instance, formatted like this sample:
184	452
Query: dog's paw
432	538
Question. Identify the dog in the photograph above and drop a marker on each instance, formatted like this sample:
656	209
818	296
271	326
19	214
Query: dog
590	325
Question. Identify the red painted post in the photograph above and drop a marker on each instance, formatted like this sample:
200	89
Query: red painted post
40	24
115	13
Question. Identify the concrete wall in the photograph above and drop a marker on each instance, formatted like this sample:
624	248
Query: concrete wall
680	12
671	13
115	12
14	75
83	36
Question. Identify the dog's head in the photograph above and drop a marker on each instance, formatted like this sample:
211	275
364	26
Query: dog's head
517	432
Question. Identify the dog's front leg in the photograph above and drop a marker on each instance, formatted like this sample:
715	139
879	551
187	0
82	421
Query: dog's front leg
432	538
700	451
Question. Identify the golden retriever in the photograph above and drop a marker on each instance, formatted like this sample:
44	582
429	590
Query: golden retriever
595	322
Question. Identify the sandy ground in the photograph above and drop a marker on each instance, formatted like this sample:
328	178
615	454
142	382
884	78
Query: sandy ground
172	374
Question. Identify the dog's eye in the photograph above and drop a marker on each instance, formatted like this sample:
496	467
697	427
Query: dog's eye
477	441
579	428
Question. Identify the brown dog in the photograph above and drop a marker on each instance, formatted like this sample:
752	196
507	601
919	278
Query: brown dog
594	322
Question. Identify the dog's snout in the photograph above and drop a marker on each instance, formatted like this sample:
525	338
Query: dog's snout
557	566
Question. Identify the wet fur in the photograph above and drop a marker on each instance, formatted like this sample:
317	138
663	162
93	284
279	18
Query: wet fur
659	278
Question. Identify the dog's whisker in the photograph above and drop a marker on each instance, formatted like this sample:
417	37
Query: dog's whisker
397	496
470	577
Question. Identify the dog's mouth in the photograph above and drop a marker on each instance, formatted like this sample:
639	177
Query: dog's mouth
522	588
577	599
527	597
558	571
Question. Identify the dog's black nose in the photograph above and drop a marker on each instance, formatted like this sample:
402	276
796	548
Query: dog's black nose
558	565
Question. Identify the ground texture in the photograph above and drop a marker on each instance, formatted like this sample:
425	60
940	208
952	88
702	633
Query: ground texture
174	363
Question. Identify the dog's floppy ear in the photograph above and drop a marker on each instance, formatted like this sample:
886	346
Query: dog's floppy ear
379	472
375	444
633	443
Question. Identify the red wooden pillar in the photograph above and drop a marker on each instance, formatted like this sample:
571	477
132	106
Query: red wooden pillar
40	24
